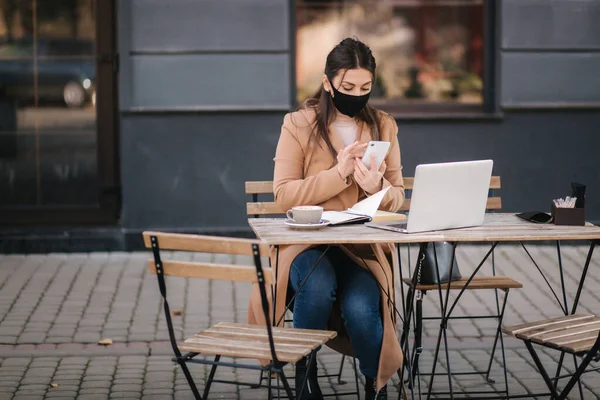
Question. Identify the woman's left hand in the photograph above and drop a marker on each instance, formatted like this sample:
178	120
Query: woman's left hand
369	179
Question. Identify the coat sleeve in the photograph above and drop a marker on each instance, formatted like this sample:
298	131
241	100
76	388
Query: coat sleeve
393	174
290	186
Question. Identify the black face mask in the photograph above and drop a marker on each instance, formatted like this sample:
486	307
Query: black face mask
347	104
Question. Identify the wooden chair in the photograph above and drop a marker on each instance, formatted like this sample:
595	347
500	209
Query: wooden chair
576	334
275	346
496	283
256	209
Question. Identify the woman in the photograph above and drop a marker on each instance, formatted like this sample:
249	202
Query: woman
317	162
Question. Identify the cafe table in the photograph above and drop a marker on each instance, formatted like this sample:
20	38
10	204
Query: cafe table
496	228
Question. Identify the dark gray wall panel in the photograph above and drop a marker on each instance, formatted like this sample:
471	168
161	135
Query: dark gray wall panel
537	154
550	24
189	171
542	78
124	46
160	81
209	25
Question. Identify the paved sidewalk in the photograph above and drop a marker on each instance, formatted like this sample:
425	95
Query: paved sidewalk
54	309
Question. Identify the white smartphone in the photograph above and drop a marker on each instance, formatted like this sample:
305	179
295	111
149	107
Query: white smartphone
377	148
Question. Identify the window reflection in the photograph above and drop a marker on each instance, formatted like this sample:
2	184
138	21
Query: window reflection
47	102
426	51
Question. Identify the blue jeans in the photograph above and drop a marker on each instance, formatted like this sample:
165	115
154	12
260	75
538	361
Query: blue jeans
338	276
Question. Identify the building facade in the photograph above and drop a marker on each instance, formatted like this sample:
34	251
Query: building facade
203	87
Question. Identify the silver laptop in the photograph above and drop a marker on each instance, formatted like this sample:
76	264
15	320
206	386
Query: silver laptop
445	196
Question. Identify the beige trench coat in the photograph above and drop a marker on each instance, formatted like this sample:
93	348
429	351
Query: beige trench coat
305	174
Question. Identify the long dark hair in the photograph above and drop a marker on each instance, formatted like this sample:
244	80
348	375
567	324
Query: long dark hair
350	53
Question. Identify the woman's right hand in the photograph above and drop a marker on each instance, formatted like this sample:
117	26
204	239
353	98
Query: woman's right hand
345	158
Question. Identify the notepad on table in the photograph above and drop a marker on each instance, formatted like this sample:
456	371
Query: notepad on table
363	211
383	216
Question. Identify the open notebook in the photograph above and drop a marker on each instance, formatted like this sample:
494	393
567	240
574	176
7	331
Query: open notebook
363	211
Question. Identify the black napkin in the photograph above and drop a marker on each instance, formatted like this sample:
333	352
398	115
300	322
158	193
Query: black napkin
535	216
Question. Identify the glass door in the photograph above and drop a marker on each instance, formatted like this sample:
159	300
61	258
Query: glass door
58	102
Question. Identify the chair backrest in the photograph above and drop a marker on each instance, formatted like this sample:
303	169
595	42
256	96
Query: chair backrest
207	244
257	208
157	241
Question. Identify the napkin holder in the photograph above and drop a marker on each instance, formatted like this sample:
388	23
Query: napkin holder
568	216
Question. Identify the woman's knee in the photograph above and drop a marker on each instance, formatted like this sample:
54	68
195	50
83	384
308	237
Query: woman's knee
361	311
321	279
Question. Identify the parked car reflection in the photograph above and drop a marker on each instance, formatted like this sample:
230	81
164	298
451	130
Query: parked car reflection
64	70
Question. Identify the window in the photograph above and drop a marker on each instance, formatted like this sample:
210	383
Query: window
57	141
427	51
47	96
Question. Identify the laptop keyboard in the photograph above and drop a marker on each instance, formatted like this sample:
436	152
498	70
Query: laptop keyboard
400	226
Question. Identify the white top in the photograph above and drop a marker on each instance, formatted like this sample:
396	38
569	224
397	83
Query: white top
346	127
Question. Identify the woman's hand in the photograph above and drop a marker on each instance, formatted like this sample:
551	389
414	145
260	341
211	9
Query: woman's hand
346	156
370	180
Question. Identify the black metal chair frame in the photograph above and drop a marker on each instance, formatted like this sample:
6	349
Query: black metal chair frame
564	305
274	367
552	383
413	360
408	306
342	361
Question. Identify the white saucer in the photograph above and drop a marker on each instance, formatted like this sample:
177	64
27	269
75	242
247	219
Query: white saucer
296	225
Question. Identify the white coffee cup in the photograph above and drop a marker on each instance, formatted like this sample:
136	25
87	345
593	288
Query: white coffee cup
305	214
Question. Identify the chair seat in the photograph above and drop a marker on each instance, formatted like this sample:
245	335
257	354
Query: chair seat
478	282
572	333
251	341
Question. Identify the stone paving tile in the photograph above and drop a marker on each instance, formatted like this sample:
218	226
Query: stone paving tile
62	304
163	379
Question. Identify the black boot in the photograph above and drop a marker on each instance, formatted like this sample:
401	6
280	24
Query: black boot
371	394
311	390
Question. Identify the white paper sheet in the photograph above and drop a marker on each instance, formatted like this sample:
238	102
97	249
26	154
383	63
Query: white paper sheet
369	205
